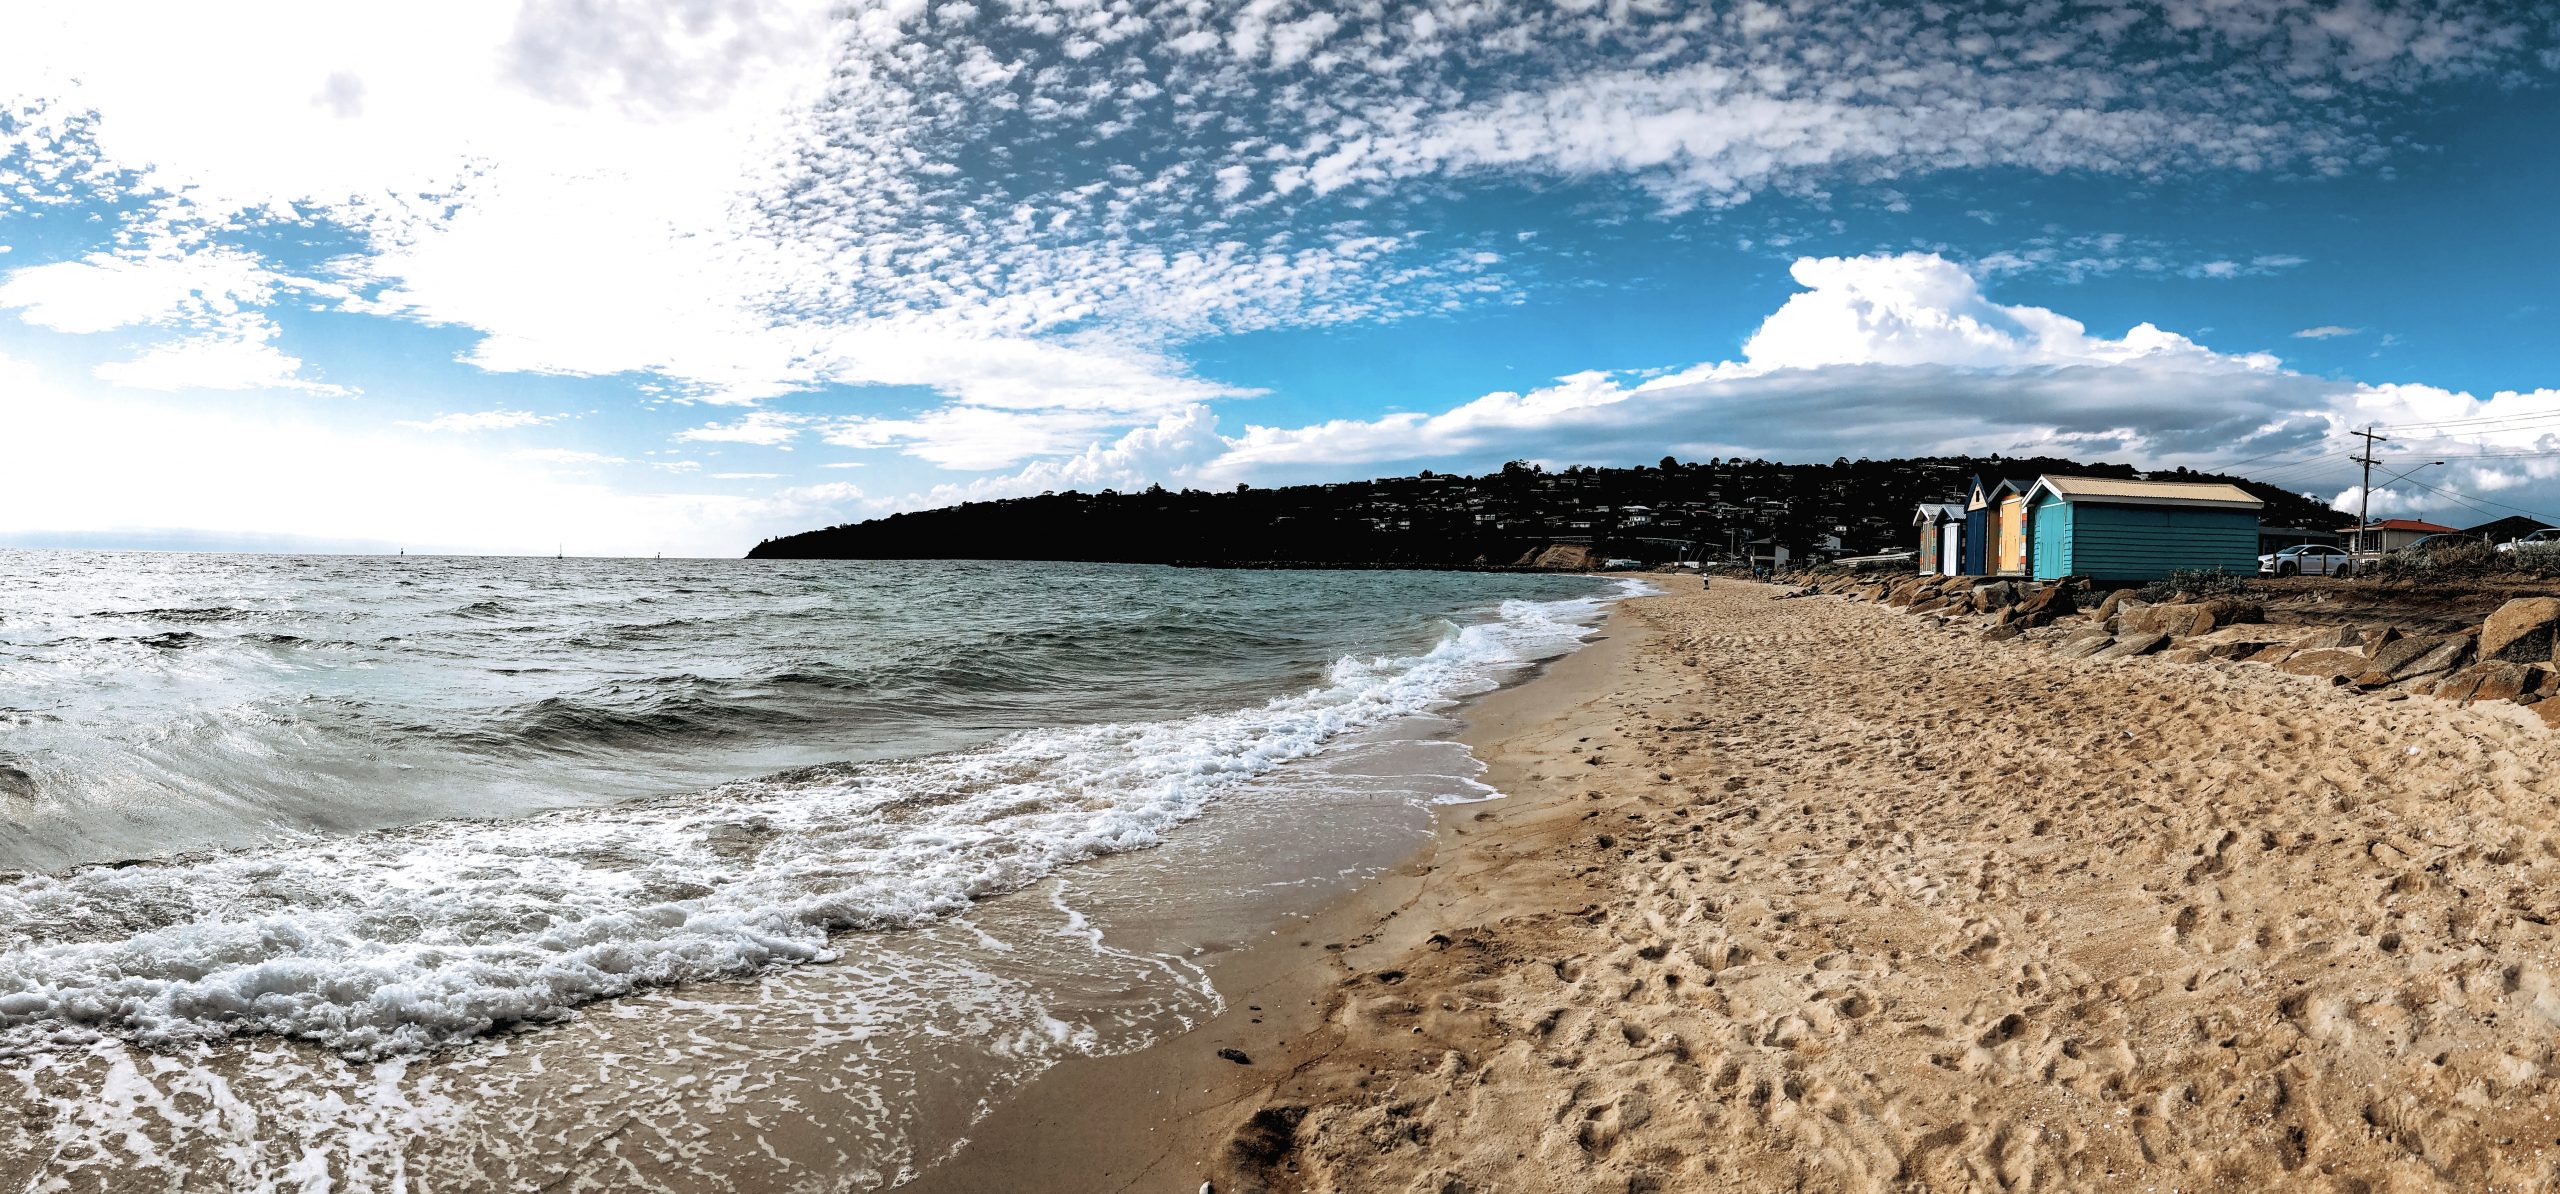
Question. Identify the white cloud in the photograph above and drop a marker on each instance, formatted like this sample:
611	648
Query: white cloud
968	437
2326	331
763	428
238	356
750	200
485	420
1888	356
573	456
743	201
103	291
200	466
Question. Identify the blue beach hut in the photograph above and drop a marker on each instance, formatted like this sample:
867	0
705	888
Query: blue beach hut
2112	530
1977	527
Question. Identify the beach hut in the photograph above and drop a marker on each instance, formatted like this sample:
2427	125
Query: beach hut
1977	528
2009	546
1981	524
1937	540
2113	530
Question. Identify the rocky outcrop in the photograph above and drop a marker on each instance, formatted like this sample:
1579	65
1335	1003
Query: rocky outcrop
2184	618
2514	656
2137	643
2522	631
1559	557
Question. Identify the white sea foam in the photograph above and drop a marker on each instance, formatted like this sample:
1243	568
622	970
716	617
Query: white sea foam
419	937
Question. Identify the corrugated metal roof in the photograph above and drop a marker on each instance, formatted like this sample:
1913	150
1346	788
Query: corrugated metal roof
2404	524
2168	493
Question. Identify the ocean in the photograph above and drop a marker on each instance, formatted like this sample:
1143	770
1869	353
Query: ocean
320	866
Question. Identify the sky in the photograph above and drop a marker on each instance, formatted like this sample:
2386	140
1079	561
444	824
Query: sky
620	277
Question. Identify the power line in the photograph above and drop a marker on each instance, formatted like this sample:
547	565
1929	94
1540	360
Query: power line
2453	428
2520	454
2298	467
2477	502
2278	452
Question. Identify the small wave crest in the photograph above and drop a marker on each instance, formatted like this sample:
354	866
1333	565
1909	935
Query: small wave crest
422	937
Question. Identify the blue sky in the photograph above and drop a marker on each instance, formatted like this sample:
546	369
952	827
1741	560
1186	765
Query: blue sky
640	277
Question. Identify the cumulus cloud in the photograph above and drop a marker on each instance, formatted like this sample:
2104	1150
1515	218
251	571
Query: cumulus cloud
763	428
1023	206
240	355
103	291
1889	356
484	420
195	465
1014	219
968	437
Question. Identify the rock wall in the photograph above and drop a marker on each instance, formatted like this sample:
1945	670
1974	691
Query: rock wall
2513	656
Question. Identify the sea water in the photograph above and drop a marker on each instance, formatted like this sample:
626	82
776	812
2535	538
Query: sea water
318	861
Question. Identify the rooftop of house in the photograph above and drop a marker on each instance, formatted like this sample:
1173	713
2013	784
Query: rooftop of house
2402	524
2149	493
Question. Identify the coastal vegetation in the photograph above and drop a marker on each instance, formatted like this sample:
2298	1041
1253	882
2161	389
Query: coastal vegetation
1713	509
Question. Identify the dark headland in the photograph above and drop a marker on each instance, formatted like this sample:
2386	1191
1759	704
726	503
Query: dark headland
1513	518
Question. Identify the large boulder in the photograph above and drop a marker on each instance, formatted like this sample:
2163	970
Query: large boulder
2085	645
2522	631
2400	659
2133	644
2487	680
2334	664
2185	618
2178	618
2502	681
2236	642
2232	611
2114	602
2334	636
2044	605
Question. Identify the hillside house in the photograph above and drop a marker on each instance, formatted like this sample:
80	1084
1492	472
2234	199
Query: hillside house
2392	534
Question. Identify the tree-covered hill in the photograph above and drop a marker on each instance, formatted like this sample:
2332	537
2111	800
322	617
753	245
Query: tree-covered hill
1439	520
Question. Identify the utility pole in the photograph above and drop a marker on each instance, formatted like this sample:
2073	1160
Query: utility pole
2364	491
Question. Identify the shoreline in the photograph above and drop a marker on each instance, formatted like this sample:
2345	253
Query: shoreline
1160	1117
1812	895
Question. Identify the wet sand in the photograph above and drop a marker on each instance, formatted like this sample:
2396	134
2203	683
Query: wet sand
1808	895
1157	1119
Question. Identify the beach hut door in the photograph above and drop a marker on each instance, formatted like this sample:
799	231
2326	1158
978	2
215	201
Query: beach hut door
1950	544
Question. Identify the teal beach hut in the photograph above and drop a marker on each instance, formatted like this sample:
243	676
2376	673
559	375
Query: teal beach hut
2112	530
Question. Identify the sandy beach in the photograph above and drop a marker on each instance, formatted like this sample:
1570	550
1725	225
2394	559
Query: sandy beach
1811	895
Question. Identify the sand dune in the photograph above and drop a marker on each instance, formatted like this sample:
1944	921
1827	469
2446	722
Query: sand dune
1811	896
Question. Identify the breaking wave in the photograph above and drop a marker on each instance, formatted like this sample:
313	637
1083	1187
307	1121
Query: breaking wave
419	937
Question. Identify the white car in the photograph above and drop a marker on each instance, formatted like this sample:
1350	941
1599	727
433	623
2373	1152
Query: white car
2307	559
2545	535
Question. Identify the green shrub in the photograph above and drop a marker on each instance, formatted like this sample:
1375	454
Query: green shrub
2541	560
2196	583
2452	561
